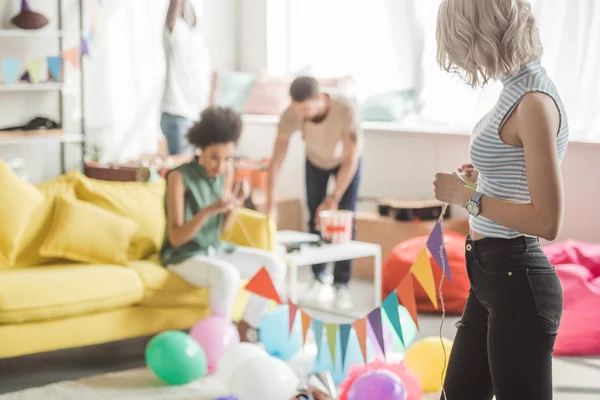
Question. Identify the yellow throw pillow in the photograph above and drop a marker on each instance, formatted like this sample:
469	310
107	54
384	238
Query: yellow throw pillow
18	201
142	202
41	220
86	233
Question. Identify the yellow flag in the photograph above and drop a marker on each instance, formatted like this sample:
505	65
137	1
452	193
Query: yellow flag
331	330
421	270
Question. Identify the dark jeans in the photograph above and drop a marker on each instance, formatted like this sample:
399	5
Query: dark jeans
507	332
316	191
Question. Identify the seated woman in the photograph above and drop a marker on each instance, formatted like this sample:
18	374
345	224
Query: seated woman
200	204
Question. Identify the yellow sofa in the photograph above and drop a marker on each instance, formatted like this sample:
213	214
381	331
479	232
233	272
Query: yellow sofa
50	299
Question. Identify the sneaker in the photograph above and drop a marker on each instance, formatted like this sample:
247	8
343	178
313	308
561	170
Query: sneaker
318	293
343	299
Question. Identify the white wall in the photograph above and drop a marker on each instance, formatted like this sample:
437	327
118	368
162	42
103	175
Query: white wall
124	77
402	164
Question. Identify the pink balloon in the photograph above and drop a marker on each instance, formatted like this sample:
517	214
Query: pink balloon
214	334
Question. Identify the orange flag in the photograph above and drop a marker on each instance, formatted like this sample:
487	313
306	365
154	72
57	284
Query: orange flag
305	325
423	273
293	309
360	326
72	56
262	285
406	294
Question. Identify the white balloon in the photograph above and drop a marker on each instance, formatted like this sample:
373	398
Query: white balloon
264	379
234	356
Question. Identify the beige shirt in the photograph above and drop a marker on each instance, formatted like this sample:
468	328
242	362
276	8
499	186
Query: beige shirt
324	147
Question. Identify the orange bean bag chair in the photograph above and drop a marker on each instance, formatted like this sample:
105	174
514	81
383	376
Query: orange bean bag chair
455	292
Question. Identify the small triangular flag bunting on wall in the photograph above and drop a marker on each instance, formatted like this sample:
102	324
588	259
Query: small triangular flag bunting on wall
305	325
85	51
293	309
406	294
360	327
390	306
11	68
421	270
331	330
55	68
435	244
34	68
318	331
344	339
262	285
377	326
72	55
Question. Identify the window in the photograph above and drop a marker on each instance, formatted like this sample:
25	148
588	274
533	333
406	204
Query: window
389	45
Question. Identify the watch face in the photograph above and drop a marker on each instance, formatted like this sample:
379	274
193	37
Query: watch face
473	208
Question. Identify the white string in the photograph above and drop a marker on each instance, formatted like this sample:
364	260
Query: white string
441	298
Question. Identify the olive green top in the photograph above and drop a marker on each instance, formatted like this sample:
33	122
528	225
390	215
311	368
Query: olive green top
200	192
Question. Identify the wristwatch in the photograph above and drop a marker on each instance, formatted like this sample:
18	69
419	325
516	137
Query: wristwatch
473	206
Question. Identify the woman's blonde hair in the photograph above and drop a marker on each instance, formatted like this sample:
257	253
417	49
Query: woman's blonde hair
486	39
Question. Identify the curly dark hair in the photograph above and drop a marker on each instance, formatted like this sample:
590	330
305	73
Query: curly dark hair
217	125
304	88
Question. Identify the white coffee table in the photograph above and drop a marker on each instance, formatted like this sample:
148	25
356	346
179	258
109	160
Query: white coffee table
309	255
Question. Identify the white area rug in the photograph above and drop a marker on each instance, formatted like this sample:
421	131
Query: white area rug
141	384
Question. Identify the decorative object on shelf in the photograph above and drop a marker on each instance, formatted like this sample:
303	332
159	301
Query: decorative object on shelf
35	124
29	19
10	68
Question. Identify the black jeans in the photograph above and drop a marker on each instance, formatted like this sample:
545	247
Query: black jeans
316	191
506	336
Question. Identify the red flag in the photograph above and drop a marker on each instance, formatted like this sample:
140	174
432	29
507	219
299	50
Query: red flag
262	285
293	309
406	294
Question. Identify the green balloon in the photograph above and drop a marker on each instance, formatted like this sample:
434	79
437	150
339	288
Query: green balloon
409	330
175	358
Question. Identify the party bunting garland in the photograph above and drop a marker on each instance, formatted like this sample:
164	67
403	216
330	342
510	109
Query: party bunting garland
11	68
421	271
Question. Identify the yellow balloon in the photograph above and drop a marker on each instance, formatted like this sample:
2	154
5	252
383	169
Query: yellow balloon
426	360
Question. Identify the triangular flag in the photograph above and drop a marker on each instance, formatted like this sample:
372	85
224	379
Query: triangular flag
305	325
262	285
435	244
360	327
318	331
293	309
10	67
377	326
72	56
421	270
406	294
34	67
331	330
90	37
390	306
55	68
25	77
85	51
344	339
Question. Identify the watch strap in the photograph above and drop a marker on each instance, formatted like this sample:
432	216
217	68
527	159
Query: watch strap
477	198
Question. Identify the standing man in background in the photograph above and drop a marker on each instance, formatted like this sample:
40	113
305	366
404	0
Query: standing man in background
330	126
188	75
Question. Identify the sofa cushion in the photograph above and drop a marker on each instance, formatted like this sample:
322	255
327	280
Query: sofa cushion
39	224
87	233
165	289
63	290
142	202
18	202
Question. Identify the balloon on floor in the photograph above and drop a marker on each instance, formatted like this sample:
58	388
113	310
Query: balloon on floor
214	334
426	360
235	356
274	333
378	384
175	358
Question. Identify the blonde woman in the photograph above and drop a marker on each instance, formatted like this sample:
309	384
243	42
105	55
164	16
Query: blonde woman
506	336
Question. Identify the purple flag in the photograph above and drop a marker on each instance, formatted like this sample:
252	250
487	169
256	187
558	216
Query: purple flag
436	247
374	318
84	48
25	6
344	338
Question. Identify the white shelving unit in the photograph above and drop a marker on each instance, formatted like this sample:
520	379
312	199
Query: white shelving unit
30	33
32	87
66	138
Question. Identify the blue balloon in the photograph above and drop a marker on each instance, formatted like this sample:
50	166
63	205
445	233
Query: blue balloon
353	357
273	333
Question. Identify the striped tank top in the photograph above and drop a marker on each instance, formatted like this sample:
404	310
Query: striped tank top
501	167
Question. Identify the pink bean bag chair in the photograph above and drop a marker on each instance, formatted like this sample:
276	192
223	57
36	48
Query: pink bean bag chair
578	268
